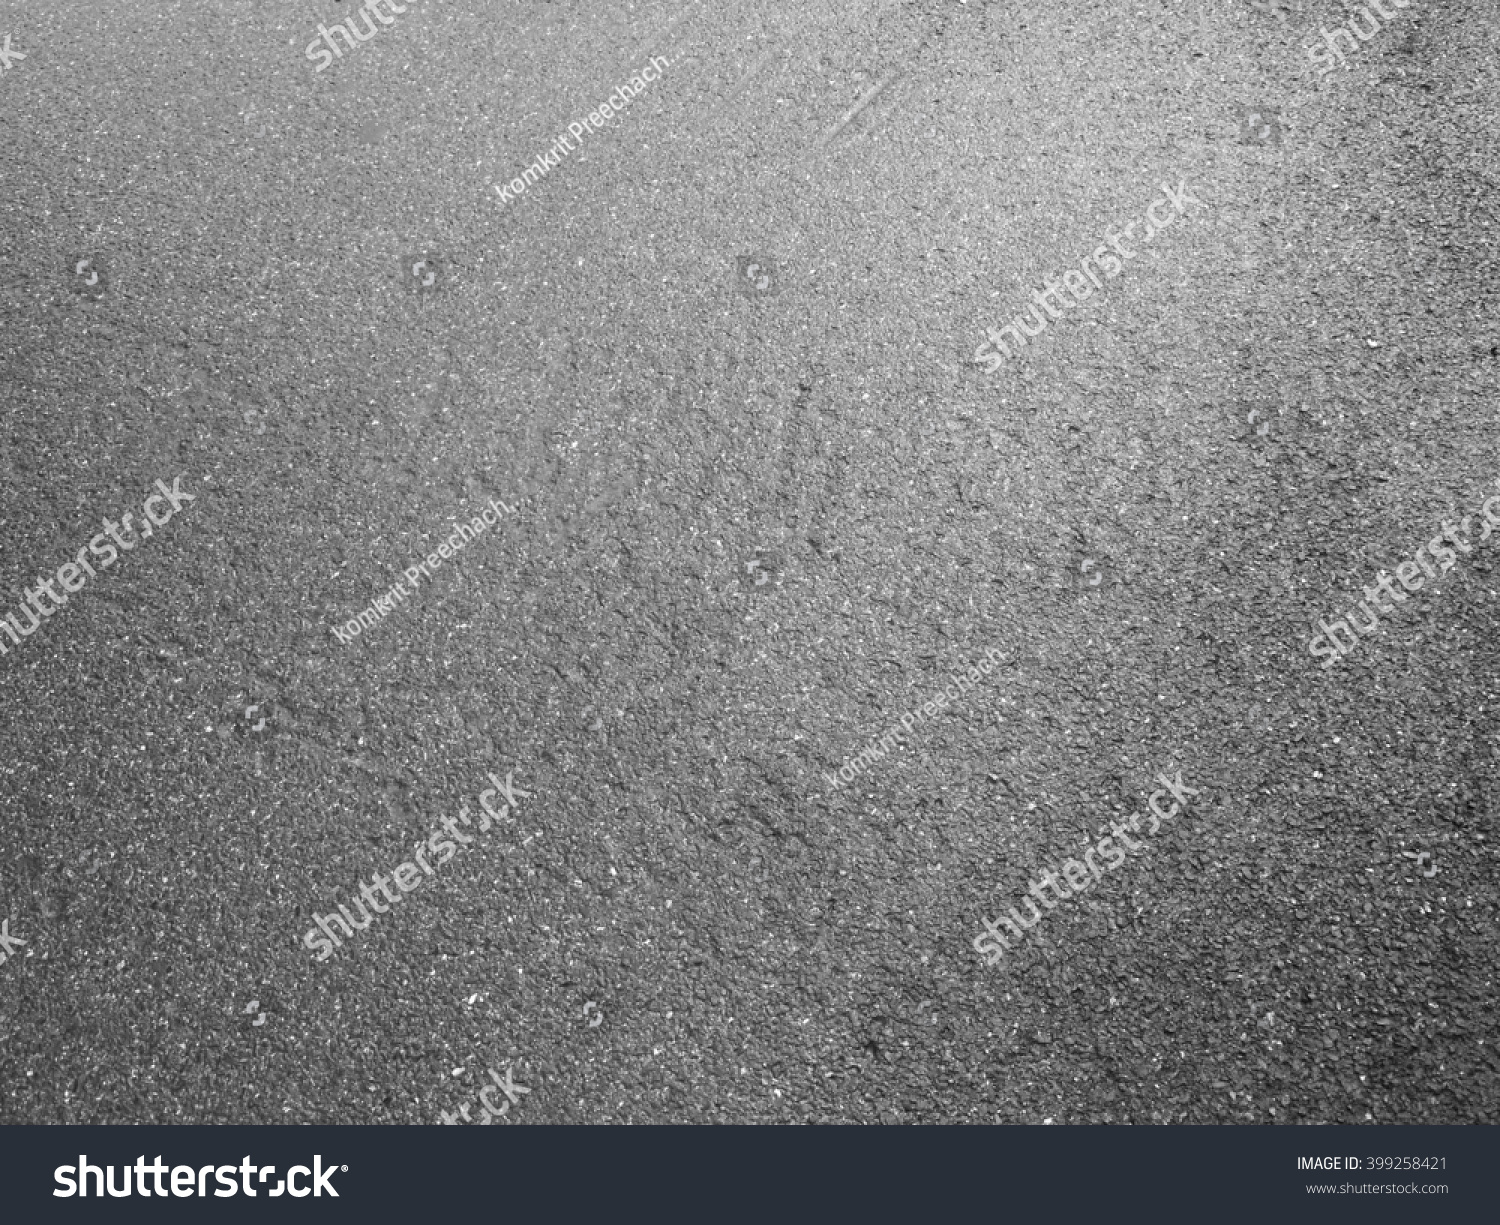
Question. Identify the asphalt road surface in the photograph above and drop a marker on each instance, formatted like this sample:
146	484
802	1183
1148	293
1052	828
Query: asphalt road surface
761	495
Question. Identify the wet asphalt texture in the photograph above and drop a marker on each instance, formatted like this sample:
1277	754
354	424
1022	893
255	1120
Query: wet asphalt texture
720	360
